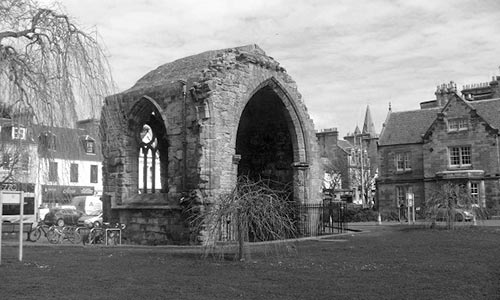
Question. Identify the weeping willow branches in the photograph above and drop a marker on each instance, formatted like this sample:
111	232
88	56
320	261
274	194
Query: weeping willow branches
254	211
51	71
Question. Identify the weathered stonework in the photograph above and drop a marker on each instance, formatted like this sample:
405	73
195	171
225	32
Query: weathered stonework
212	113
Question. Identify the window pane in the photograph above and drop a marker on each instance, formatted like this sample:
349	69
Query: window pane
25	162
452	125
89	147
407	164
463	124
52	171
6	161
455	156
74	173
474	192
399	161
93	173
465	155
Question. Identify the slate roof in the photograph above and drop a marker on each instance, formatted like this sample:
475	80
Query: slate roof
344	145
407	127
69	143
489	110
187	67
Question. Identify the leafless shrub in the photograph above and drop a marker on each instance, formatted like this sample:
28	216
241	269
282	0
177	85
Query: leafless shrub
448	197
254	211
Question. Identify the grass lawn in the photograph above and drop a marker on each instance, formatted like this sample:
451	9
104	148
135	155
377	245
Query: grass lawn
390	263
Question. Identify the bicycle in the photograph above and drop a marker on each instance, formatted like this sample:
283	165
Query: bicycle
35	234
69	233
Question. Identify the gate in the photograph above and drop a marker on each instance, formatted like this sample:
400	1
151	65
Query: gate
321	218
334	220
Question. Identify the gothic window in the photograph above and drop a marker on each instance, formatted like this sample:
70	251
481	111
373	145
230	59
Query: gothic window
148	135
149	160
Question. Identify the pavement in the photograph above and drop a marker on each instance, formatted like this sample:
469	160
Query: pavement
352	228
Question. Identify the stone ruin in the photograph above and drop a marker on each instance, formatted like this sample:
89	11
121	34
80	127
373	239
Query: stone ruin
190	127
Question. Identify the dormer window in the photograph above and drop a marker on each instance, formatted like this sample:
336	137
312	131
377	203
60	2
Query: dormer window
458	124
18	133
89	145
47	141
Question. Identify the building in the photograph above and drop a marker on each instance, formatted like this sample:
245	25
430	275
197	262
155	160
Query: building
354	159
452	138
50	164
336	157
200	122
70	162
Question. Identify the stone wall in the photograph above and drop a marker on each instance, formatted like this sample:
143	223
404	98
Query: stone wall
390	177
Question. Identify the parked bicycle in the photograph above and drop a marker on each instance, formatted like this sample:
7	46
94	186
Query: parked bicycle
60	234
108	234
42	229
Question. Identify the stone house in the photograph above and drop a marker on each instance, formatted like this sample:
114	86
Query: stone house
351	158
453	138
192	126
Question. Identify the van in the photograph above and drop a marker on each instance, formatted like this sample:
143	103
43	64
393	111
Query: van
90	205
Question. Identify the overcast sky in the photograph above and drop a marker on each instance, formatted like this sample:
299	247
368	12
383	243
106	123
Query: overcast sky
344	55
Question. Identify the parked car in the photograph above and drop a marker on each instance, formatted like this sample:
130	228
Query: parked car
61	216
460	215
90	220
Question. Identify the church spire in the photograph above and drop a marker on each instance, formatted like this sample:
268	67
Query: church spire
368	126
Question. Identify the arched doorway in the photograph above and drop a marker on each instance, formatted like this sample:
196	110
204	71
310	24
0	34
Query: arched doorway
264	139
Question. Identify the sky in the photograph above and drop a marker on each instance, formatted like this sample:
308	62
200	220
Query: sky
343	55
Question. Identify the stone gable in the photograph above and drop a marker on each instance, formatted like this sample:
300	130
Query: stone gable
468	129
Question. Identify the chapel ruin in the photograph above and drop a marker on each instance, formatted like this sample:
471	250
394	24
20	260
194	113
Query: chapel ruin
190	127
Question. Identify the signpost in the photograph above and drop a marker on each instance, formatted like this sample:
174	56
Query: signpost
12	197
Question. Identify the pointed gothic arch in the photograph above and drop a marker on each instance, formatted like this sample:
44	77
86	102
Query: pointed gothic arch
147	135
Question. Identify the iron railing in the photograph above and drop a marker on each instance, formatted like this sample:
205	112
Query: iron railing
327	217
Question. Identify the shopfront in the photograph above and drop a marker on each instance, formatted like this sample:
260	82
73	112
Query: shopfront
53	195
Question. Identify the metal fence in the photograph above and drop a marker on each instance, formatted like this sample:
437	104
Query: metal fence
315	219
321	218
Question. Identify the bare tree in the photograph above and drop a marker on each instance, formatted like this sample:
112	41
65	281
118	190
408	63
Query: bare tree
253	211
447	198
49	66
52	72
336	171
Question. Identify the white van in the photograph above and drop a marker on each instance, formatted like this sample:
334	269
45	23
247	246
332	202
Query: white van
90	205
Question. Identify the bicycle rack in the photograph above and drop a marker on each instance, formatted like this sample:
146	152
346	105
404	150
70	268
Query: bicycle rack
111	230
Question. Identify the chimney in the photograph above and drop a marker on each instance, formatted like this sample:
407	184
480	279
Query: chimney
327	140
445	92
